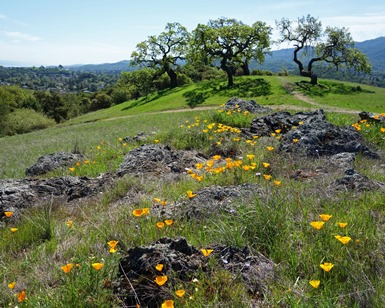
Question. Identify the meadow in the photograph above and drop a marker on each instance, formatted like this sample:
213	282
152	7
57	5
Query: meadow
328	247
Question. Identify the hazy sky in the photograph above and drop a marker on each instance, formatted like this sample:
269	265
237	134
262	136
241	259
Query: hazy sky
53	32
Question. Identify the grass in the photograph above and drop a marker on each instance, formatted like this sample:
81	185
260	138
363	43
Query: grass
276	222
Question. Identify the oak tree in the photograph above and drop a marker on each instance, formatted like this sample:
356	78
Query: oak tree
163	52
334	46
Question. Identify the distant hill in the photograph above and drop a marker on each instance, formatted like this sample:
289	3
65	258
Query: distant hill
120	66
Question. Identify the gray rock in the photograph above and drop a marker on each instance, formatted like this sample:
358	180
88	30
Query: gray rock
53	161
157	159
354	181
244	105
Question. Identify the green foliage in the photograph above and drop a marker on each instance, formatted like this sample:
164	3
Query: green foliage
22	121
101	101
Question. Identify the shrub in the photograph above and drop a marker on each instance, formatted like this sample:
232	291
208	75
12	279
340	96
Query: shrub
23	121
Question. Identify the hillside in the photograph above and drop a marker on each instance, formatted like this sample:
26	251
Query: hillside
210	207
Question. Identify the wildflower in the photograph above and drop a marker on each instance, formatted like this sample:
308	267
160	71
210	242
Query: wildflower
199	165
160	224
67	268
190	194
376	117
342	224
112	243
295	140
168	222
113	250
161	280
21	296
326	266
206	252
157	200
250	156
343	239
277	131
77	164
145	210
199	178
156	140
97	266
137	212
13	230
98	147
72	169
300	123
12	285
217	157
159	267
87	162
180	292
169	303
265	165
267	177
163	203
315	283
317	224
269	148
69	223
325	217
246	167
382	129
277	183
8	214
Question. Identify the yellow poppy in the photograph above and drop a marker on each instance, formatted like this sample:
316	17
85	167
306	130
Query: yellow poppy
156	140
342	224
87	162
295	140
199	165
315	283
317	224
163	202
168	222
157	200
382	129
326	266
21	296
190	194
97	266
13	230
168	304
246	167
277	183
12	285
161	280
77	164
159	267
180	292
250	156
325	217
270	148
206	252
112	243
67	268
343	239
217	157
137	212
69	223
277	131
145	210
8	214
72	169
265	165
160	224
113	250
267	177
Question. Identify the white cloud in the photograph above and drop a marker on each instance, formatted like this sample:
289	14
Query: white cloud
18	36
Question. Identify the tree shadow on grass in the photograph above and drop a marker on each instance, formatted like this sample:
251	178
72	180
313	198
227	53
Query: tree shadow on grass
242	88
329	87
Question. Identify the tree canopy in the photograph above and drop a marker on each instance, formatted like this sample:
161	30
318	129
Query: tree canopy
332	45
163	51
231	43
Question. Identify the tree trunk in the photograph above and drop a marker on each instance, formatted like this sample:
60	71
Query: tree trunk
229	72
245	68
173	78
313	77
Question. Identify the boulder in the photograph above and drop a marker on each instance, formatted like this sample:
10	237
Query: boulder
157	159
183	262
283	121
319	137
354	181
53	161
244	105
29	192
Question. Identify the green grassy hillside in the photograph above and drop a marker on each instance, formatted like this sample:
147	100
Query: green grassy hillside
278	222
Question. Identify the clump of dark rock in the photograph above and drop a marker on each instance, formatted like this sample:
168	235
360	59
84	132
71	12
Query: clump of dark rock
371	117
139	137
284	121
183	262
244	105
157	159
319	138
354	181
52	162
29	192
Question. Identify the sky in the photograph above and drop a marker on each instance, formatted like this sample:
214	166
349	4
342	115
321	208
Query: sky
66	32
